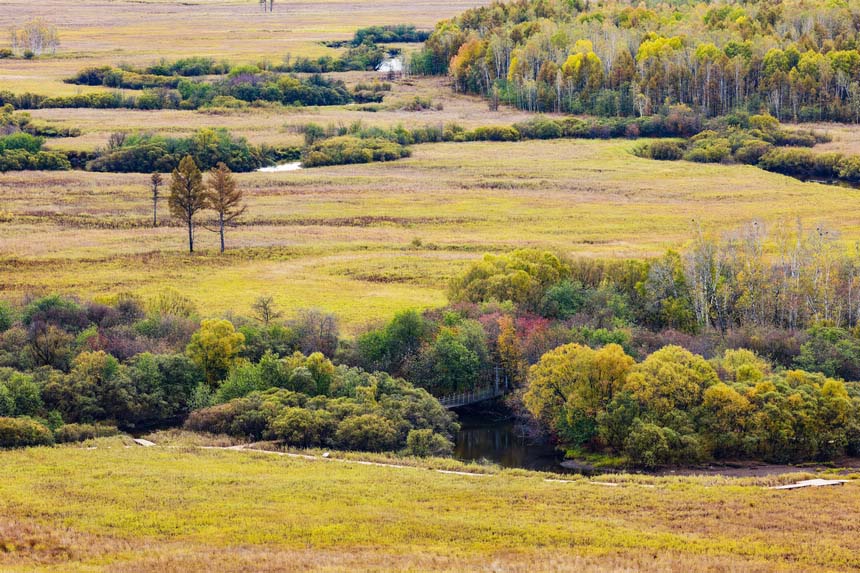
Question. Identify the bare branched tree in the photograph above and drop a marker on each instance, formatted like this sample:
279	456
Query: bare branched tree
156	180
265	310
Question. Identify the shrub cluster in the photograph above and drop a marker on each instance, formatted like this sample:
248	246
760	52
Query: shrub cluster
111	77
21	151
147	153
23	432
70	433
347	149
308	402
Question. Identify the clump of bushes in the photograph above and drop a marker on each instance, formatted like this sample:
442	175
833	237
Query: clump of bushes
419	103
494	133
22	151
23	432
673	407
348	150
662	151
146	153
758	140
70	433
111	77
308	402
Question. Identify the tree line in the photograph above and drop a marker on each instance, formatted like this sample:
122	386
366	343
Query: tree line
797	60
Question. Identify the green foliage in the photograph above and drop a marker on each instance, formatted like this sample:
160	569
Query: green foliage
572	384
673	409
147	153
215	348
424	443
387	348
306	401
20	395
111	77
367	432
523	277
70	433
664	151
832	351
346	150
7	316
23	432
399	33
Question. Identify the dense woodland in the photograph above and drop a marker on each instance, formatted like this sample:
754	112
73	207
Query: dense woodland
798	60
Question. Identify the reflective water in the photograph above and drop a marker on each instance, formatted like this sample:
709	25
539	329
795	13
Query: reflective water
291	166
500	441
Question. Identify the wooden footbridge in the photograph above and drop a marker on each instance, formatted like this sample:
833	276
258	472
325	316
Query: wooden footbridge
499	388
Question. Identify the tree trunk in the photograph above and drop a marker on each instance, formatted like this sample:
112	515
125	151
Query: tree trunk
155	211
190	236
221	222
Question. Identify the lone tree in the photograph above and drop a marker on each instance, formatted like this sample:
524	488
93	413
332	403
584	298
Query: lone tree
156	181
224	197
187	195
265	311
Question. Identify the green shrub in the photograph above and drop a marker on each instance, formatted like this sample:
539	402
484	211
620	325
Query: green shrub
22	141
347	149
647	445
424	443
540	128
368	432
665	151
750	152
7	316
302	427
70	433
23	432
710	149
494	133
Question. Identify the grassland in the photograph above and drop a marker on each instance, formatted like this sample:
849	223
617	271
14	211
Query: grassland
361	241
97	32
344	238
133	509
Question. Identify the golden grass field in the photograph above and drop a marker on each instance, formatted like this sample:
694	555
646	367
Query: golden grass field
360	241
341	238
115	508
97	32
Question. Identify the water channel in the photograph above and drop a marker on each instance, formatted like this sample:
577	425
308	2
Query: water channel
494	436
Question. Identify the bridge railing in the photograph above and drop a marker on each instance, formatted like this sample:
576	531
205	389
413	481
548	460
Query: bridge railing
470	397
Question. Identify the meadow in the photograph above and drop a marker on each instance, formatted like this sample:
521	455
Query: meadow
365	241
360	241
109	507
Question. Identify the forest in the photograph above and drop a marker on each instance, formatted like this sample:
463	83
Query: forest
796	60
